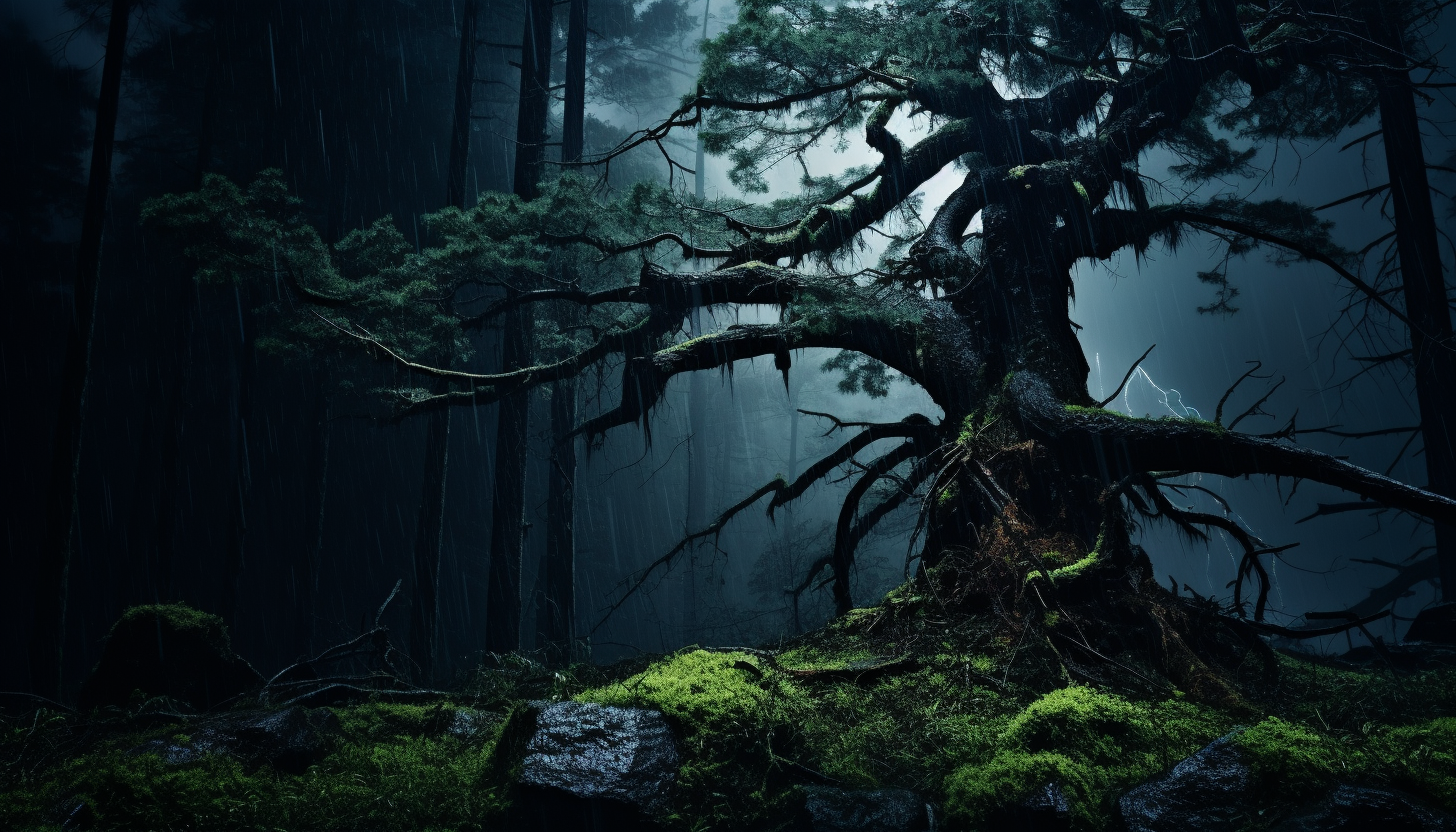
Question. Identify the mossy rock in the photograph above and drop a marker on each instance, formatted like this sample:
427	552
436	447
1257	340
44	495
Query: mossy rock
167	650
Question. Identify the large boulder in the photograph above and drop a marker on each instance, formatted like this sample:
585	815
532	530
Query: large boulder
168	650
1208	791
1046	809
593	766
878	810
1357	809
1436	624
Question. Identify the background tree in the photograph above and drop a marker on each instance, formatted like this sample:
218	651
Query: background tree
1024	461
48	632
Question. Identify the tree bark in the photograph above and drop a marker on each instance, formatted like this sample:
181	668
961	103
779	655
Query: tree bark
557	612
573	114
430	525
164	553
1424	288
508	506
464	103
429	529
47	640
535	99
236	541
307	576
699	161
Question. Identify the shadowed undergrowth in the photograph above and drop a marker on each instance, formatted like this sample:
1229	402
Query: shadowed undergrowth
960	709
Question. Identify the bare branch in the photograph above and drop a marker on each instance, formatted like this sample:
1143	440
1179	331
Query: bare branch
1125	379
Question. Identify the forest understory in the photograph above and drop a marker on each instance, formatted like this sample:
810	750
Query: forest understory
315	319
975	711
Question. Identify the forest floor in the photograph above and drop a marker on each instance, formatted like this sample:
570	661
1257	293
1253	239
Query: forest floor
971	717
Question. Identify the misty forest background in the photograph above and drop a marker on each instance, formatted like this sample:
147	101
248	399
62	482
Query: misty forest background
217	472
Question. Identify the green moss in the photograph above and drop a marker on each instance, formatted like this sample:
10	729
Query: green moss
699	690
388	769
683	345
967	722
1093	744
1081	191
1421	758
1078	410
181	618
818	658
383	721
1291	758
726	710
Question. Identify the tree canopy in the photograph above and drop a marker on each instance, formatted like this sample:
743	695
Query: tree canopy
1045	111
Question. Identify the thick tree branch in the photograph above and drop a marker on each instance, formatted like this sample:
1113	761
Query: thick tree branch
1112	447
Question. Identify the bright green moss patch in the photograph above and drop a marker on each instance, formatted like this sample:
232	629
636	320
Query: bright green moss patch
959	709
1290	757
1094	745
817	658
726	710
701	691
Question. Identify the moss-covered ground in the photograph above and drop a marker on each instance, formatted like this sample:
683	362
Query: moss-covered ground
891	696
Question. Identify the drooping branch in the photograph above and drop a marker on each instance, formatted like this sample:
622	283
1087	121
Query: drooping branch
1189	521
610	249
751	283
911	426
850	529
1116	228
645	377
713	529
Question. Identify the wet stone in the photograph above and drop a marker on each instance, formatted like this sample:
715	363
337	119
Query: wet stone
1045	810
167	651
470	725
625	756
289	740
173	754
1208	791
1357	809
878	810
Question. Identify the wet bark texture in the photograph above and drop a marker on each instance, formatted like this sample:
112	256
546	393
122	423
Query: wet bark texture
48	631
508	518
1422	283
557	610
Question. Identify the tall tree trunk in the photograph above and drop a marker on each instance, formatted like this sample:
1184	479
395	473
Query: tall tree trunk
556	615
47	638
164	553
429	529
236	541
306	577
556	604
508	504
464	103
535	100
430	526
699	174
1424	286
573	114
